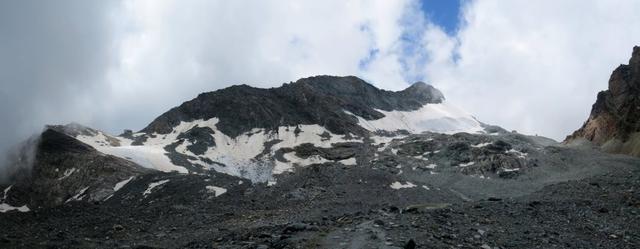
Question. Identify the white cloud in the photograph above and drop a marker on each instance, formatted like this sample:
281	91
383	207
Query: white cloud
173	50
533	66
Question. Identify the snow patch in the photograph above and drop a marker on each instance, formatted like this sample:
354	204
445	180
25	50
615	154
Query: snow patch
519	154
349	161
441	118
79	195
480	145
234	156
217	191
6	192
121	184
152	186
466	164
398	185
67	173
4	207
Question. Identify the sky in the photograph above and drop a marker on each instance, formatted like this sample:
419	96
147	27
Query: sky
530	66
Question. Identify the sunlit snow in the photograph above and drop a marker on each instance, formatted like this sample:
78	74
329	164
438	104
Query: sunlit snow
440	118
121	184
152	186
398	185
217	191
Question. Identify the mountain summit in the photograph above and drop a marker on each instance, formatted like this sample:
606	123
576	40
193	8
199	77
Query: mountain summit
328	101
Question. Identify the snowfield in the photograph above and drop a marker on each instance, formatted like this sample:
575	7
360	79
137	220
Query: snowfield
246	156
441	118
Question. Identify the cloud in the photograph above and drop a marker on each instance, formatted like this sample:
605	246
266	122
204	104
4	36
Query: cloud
533	66
173	50
52	60
119	64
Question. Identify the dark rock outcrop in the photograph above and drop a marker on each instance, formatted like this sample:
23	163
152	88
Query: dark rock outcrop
315	100
614	123
64	169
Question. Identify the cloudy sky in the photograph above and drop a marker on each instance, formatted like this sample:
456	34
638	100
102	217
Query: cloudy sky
532	66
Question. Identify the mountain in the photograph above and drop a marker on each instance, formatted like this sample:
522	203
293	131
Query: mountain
614	122
255	133
323	162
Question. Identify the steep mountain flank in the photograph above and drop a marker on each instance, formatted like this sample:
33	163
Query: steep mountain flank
65	169
614	123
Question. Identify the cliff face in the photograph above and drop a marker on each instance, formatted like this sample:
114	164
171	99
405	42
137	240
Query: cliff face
614	123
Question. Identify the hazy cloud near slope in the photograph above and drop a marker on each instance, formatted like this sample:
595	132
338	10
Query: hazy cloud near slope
53	57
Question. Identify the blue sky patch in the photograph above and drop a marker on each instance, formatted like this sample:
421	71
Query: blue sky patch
444	13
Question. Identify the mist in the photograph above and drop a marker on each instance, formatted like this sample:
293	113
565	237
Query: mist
53	57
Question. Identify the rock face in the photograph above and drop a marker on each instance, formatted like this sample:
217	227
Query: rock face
315	100
614	122
65	169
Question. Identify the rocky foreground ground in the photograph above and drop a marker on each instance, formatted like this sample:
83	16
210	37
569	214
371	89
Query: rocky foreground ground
338	206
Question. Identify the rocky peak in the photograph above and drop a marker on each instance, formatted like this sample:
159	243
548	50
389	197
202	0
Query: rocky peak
424	91
614	122
320	100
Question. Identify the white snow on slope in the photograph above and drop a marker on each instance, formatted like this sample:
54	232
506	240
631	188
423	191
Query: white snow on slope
6	208
238	156
349	161
67	173
466	164
440	118
149	156
480	145
217	191
6	191
519	154
79	195
121	184
233	156
152	186
398	185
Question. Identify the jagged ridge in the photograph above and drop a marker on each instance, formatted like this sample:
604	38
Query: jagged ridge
314	100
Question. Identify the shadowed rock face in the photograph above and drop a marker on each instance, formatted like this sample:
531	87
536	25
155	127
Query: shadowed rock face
315	100
614	122
65	168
